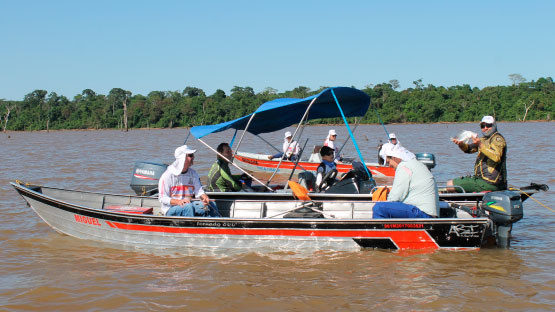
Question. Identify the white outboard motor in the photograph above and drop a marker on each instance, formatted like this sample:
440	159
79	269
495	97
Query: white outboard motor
504	208
145	177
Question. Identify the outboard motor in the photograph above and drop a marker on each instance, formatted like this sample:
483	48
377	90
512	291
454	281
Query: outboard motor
145	177
504	209
427	159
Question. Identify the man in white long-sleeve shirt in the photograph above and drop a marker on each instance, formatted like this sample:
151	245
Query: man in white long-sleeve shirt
414	191
179	184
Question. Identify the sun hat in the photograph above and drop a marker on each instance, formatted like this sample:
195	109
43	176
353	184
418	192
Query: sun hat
180	156
488	119
399	152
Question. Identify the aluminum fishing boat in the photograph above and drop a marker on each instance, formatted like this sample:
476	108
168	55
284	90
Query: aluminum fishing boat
258	221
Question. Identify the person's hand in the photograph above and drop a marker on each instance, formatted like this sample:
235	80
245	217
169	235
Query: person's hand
459	143
205	199
476	141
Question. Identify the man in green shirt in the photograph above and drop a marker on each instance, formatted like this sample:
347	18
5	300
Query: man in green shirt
220	178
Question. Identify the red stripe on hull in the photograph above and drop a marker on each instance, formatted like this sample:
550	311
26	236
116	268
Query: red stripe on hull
404	239
310	166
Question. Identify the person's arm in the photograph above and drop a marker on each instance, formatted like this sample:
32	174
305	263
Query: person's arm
319	175
494	149
401	184
198	190
164	196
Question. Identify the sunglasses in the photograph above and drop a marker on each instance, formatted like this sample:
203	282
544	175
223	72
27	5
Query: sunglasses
486	125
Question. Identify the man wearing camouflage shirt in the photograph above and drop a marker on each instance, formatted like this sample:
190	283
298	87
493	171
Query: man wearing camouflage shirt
490	172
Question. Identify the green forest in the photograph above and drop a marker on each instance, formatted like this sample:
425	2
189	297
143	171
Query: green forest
421	103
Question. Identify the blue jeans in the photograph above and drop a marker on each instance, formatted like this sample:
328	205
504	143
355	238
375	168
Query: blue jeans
388	210
194	209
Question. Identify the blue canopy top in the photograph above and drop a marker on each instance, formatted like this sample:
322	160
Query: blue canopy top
280	113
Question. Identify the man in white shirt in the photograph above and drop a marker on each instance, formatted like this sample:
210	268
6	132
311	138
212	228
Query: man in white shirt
414	192
290	149
330	142
179	184
393	142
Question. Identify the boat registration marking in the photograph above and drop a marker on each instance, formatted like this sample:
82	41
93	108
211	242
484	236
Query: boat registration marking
87	220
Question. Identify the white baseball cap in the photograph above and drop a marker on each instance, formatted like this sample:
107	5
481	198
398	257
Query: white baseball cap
180	156
287	134
392	136
488	119
332	132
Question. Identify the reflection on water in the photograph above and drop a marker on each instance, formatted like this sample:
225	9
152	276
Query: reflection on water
43	270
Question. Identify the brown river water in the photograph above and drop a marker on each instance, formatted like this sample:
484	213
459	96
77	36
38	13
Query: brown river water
42	270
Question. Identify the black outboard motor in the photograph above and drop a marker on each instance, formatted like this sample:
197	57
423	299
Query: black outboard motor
145	177
504	208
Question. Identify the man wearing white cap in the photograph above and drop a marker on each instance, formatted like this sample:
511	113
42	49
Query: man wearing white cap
414	191
290	148
330	142
393	142
490	171
179	184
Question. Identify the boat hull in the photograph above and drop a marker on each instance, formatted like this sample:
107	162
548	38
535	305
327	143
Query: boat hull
260	163
151	231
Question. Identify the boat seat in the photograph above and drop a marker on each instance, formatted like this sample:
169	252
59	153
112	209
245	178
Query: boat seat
307	180
315	156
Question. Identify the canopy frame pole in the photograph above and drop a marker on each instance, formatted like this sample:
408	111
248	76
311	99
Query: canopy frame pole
241	169
305	116
384	128
349	137
243	135
266	141
351	133
233	139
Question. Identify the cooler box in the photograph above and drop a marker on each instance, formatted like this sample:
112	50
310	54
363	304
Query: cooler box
130	209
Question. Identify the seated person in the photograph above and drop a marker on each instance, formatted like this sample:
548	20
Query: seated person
326	165
177	186
414	192
290	149
329	142
393	142
220	178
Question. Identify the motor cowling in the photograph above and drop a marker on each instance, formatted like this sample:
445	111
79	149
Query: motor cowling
427	159
504	208
145	177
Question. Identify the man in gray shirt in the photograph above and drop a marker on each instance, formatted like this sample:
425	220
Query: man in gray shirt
414	191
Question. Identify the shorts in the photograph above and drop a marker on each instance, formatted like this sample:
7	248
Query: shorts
475	184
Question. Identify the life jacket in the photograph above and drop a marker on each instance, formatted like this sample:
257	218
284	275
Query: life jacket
380	194
494	173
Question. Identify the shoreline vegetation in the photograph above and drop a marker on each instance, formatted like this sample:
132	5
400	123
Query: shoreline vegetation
312	125
120	109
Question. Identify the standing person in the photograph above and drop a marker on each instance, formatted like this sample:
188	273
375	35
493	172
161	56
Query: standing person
393	142
490	172
330	142
325	166
290	149
414	192
179	183
220	178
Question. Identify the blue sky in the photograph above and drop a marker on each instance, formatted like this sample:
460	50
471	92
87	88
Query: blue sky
143	46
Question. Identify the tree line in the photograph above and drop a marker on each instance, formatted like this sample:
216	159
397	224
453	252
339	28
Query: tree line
41	110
